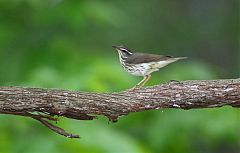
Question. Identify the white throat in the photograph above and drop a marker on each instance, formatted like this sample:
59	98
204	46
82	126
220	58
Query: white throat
121	57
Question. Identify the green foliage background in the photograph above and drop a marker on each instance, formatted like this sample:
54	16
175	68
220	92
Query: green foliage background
67	44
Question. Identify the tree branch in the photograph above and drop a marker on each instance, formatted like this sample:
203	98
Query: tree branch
78	105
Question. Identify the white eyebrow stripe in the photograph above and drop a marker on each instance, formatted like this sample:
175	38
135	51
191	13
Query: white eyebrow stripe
124	49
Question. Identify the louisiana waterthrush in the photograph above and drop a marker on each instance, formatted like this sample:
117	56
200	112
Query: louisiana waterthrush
142	64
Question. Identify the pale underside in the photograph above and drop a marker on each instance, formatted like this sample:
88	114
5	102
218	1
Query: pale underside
144	69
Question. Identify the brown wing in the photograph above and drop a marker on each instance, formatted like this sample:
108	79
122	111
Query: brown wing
138	58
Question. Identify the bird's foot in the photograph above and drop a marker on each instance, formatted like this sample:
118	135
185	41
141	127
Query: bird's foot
134	88
174	81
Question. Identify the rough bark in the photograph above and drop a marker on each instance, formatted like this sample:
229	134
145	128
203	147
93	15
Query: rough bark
43	104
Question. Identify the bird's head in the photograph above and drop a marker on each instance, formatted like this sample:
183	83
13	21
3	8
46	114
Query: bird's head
123	51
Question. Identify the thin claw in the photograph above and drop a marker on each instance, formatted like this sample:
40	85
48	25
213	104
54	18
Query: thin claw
133	88
174	81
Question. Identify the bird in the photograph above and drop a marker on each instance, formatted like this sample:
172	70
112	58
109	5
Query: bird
142	64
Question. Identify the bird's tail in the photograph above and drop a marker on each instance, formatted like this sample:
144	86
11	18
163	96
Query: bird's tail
161	64
178	58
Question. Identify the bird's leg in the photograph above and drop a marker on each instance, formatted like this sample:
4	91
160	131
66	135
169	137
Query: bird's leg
142	82
145	80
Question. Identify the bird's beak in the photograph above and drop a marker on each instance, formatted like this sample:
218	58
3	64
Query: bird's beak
116	47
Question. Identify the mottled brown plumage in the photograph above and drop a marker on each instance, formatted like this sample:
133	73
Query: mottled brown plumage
138	58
